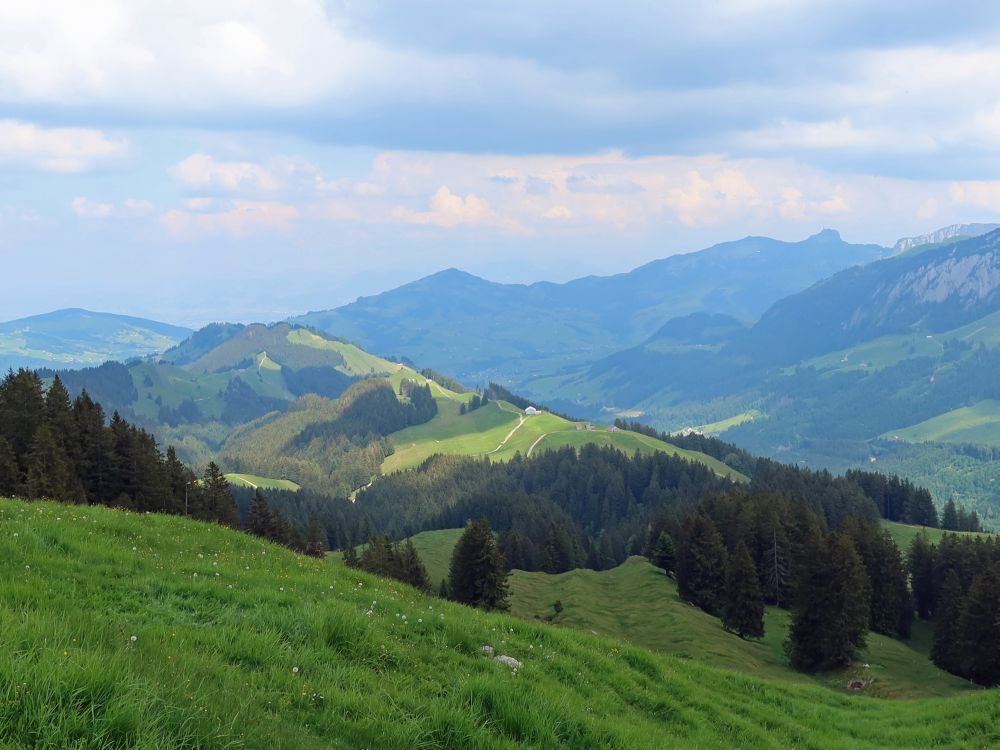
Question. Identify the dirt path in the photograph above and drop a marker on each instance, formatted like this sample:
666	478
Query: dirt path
540	439
509	434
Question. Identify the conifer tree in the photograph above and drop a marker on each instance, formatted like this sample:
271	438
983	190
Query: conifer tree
920	561
743	609
351	556
949	518
315	542
259	521
411	567
219	504
477	576
701	563
831	606
663	553
10	479
48	467
979	628
946	650
775	568
443	592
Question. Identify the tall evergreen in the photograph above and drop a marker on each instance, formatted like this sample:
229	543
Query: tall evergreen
477	576
979	628
315	542
743	608
49	474
946	650
259	520
830	615
949	518
217	498
411	567
10	475
701	563
664	553
920	562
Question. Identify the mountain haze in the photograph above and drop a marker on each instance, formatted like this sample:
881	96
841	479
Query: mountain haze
81	338
478	329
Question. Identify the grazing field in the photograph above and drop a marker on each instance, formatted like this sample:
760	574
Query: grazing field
903	534
979	423
501	431
637	603
434	548
126	631
264	483
714	429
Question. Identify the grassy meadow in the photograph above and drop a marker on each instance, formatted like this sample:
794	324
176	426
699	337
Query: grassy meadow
501	431
265	483
636	603
979	424
128	631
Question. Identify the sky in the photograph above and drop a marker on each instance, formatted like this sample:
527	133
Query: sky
200	160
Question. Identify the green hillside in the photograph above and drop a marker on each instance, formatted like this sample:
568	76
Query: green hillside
979	423
82	338
500	430
121	630
265	483
638	604
903	534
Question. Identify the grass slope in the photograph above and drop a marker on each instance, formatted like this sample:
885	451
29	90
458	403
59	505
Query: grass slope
127	631
903	534
500	430
637	603
979	423
265	483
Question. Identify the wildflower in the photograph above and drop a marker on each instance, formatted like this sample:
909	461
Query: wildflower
295	670
133	638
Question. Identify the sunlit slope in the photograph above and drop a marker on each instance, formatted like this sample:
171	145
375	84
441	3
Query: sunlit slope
120	630
499	430
978	423
637	603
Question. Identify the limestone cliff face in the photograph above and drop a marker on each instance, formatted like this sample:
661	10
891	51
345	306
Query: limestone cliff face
943	235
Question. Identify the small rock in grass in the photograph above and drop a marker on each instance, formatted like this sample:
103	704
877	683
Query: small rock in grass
488	650
508	661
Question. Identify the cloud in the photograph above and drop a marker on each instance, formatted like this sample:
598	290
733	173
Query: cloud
238	217
449	210
86	208
57	149
202	172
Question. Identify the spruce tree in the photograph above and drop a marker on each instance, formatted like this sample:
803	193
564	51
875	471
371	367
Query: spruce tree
48	467
259	518
412	568
664	553
946	650
949	519
979	628
743	608
315	541
477	576
219	504
701	563
831	608
10	475
920	561
351	556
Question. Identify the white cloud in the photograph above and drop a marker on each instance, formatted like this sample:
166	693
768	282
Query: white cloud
450	210
86	208
238	217
57	149
204	172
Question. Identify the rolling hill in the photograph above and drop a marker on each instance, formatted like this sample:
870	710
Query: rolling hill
76	338
147	631
482	331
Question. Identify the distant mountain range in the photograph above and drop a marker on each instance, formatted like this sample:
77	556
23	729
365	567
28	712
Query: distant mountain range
81	338
945	234
480	330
